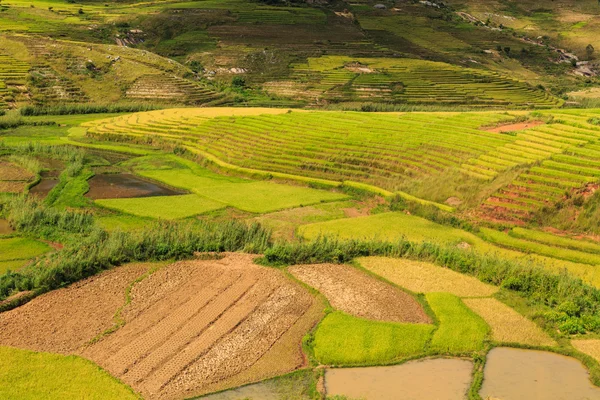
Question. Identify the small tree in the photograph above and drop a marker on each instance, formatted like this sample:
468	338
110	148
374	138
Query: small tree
589	50
238	82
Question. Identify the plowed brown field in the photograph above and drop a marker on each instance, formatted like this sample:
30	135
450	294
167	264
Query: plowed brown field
354	292
64	320
201	326
191	327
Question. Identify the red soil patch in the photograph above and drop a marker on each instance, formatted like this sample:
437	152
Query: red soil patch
205	325
64	320
359	294
515	127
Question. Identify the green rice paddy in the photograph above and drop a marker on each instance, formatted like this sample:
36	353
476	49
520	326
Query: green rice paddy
345	340
30	375
460	330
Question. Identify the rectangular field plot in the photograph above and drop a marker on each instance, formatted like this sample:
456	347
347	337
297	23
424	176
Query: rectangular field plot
243	194
163	207
423	277
507	325
345	340
461	330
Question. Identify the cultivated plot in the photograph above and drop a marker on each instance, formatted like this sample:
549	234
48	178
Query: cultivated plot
423	277
508	326
356	293
198	326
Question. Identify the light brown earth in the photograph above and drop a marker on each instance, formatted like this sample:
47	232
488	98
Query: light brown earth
516	127
355	292
12	186
12	172
199	326
191	328
64	320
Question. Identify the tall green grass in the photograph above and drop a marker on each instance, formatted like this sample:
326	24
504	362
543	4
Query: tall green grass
72	109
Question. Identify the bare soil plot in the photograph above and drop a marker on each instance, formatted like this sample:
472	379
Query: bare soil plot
354	292
119	186
422	277
12	186
199	326
64	320
12	172
516	127
507	325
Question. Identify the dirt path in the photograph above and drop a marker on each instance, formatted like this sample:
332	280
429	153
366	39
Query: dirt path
355	292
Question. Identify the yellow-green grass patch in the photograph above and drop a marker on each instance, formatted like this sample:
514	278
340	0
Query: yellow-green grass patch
424	277
243	194
12	265
460	330
123	222
19	248
345	340
508	326
591	347
29	375
163	207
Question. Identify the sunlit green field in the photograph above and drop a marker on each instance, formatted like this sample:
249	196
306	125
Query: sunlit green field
30	375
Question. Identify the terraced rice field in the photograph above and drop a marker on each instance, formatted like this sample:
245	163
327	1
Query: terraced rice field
412	81
28	375
214	189
342	339
550	159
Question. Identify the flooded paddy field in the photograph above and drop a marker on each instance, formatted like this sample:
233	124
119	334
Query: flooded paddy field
117	186
530	374
430	379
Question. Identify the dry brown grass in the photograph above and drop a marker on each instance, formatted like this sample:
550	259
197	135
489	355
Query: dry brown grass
591	347
422	277
508	326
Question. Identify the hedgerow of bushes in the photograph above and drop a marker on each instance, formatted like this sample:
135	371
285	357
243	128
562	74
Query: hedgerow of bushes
572	305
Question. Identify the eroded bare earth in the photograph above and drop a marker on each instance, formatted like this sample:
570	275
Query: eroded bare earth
355	292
